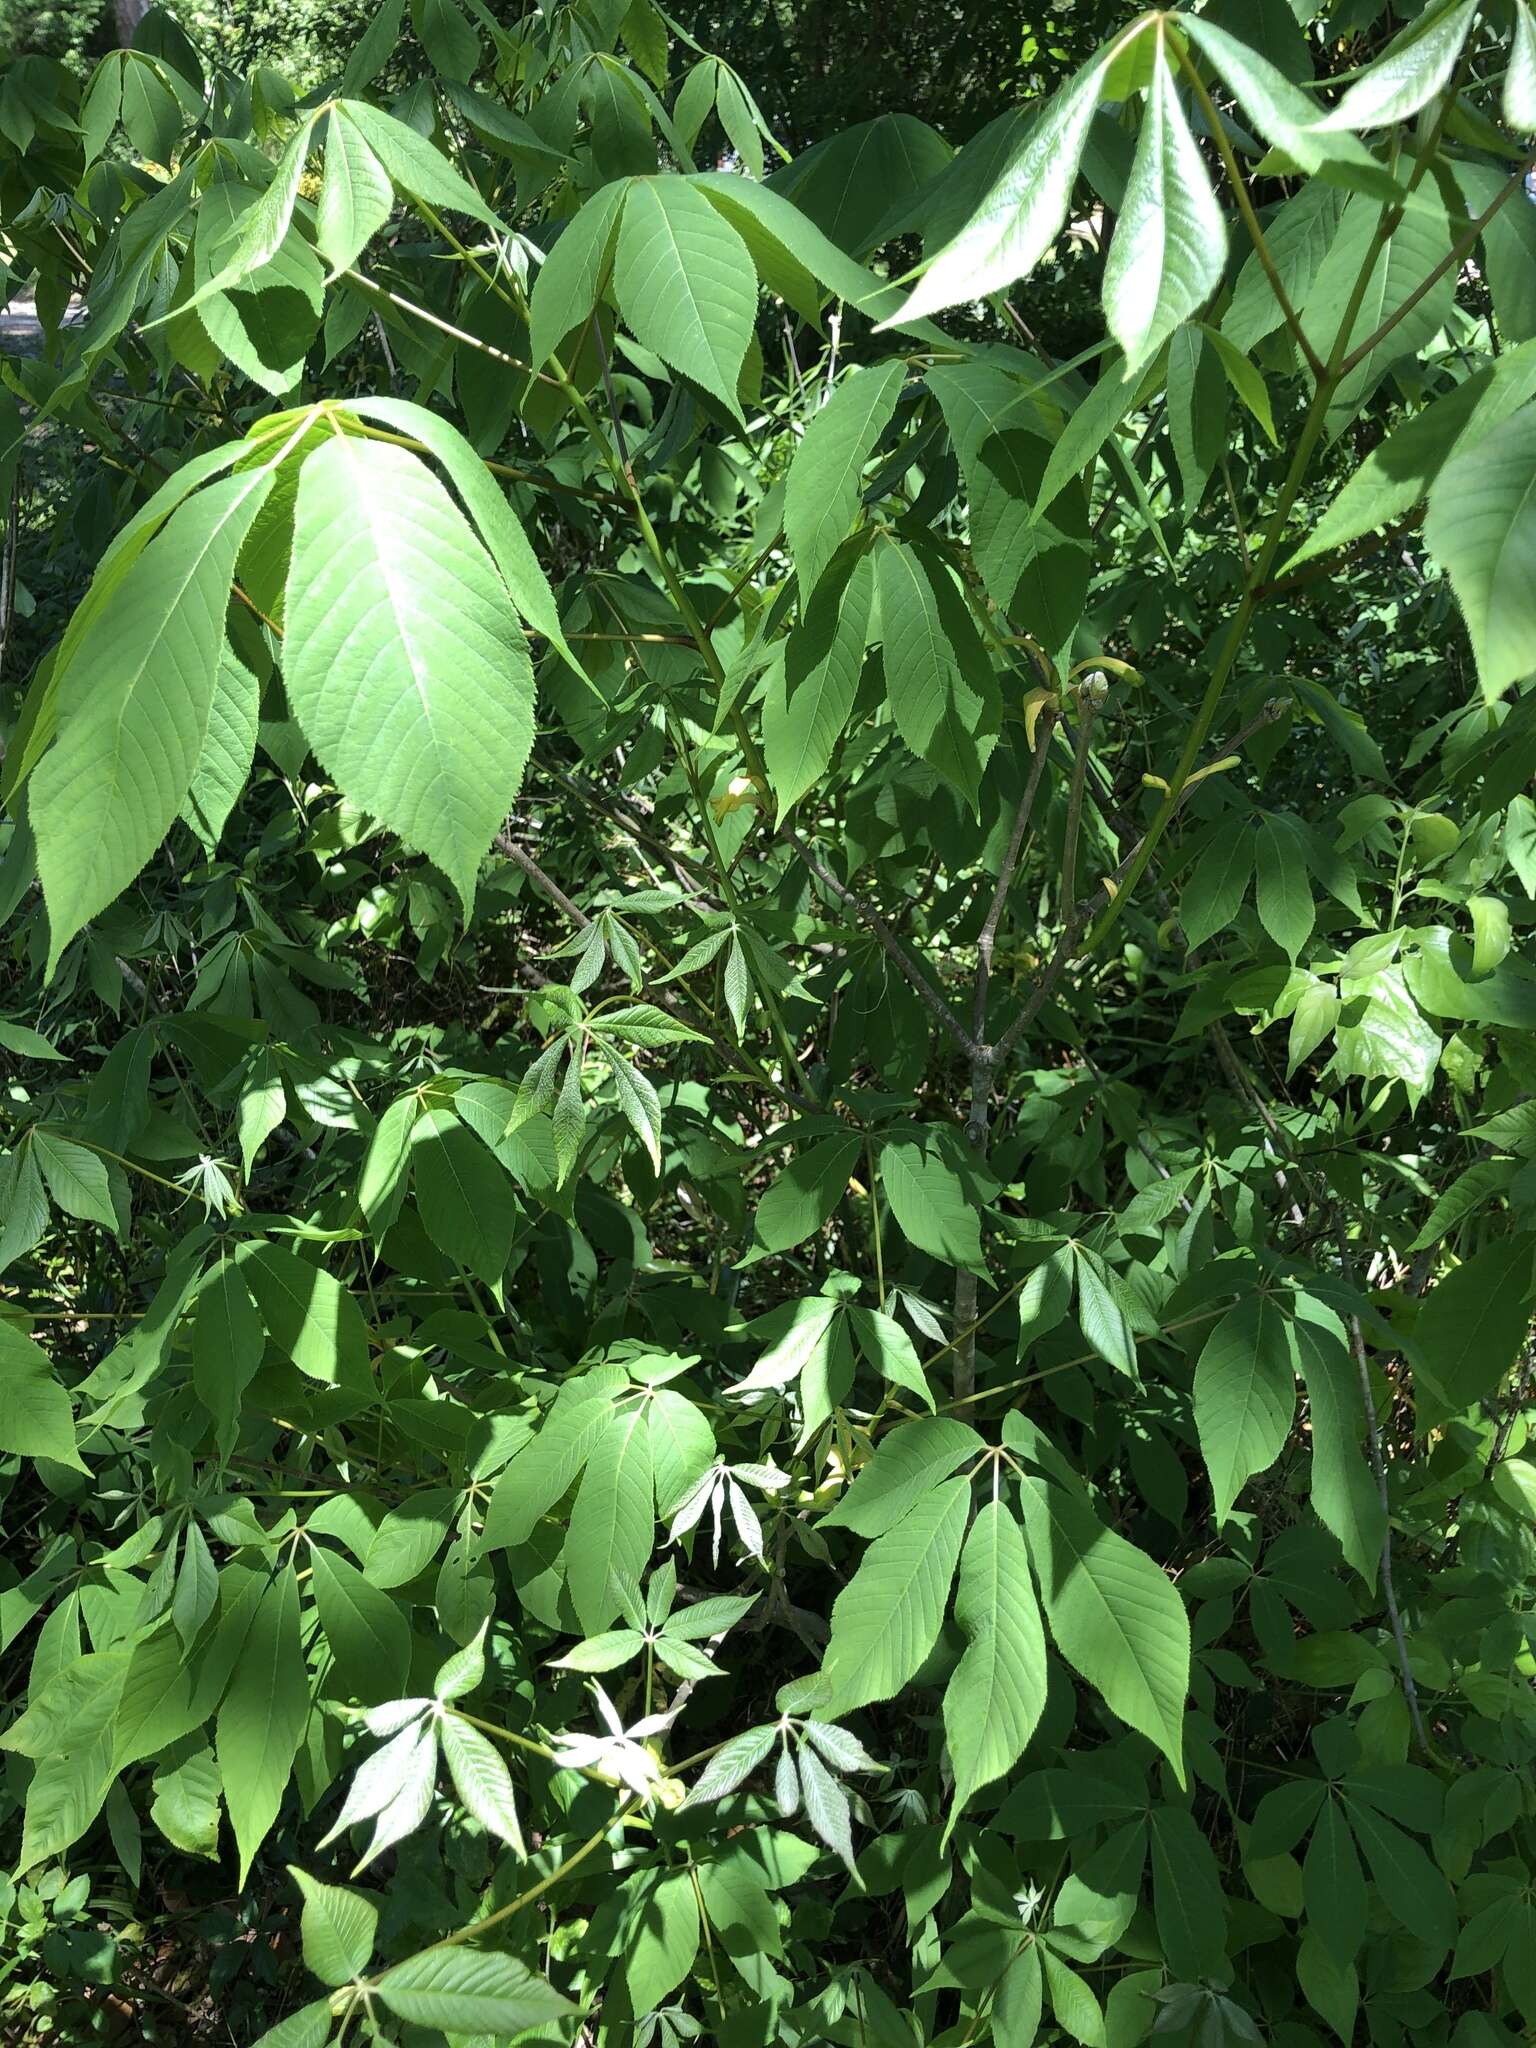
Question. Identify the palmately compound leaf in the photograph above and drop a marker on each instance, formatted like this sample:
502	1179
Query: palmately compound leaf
1170	243
997	1694
133	707
403	658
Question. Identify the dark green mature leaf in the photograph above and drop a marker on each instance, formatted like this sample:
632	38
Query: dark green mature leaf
995	1699
613	1518
811	693
1471	1327
1415	1891
821	492
1212	896
1197	409
466	1199
1283	884
75	1177
1334	1886
368	1635
887	1619
1245	1397
310	1316
1344	1492
805	1193
35	1416
469	1991
1481	526
944	706
1113	1615
930	1201
261	1721
685	283
227	1346
1186	1895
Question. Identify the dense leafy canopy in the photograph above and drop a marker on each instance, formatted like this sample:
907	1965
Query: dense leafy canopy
767	1209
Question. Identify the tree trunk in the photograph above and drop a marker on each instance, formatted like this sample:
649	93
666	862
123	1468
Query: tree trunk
129	14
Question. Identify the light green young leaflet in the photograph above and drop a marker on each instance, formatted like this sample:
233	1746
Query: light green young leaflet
404	661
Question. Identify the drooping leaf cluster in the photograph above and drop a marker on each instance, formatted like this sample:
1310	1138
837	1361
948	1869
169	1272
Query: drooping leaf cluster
766	1179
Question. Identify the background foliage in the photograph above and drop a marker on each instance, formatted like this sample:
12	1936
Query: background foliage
766	1219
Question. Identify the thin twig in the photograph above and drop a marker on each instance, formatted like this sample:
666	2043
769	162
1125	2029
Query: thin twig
664	998
1454	260
867	914
1087	715
1107	892
1379	1468
988	940
1251	222
1250	1094
613	402
530	867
